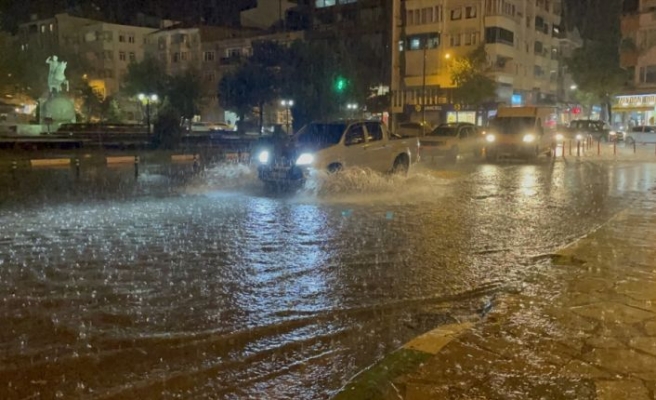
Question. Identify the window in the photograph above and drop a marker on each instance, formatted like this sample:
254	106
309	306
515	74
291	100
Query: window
355	135
133	56
375	131
456	14
455	40
415	43
121	37
439	14
427	15
470	39
539	23
208	56
176	57
52	27
499	35
401	46
43	28
470	12
538	48
184	56
648	74
131	38
537	71
121	55
409	17
234	53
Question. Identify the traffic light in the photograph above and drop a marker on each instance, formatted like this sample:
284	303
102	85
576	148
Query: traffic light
340	84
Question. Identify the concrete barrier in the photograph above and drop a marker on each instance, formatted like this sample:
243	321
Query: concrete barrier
120	160
182	158
50	162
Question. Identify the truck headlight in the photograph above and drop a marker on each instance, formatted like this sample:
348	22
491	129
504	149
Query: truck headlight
560	137
305	159
490	138
530	138
263	157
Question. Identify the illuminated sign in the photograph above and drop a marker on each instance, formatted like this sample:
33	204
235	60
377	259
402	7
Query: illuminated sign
640	100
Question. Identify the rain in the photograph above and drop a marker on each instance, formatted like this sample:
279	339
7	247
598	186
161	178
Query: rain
185	285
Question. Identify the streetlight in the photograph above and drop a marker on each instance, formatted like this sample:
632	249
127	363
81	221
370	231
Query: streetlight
352	107
287	104
147	99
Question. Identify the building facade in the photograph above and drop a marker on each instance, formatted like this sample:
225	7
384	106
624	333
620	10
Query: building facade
211	52
638	56
106	48
520	38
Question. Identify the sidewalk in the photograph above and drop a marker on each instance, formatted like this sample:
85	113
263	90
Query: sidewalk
583	328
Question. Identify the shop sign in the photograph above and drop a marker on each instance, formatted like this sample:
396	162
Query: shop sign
637	101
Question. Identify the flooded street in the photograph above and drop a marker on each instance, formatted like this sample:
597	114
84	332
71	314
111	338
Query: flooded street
181	286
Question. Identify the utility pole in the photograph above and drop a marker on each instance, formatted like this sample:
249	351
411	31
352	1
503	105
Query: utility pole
423	91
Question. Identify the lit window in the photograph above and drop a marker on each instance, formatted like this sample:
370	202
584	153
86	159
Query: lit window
415	44
470	12
52	27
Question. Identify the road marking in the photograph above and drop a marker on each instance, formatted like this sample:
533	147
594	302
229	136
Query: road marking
51	162
120	160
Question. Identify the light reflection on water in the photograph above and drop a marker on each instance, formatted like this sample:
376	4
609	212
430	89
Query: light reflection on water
227	291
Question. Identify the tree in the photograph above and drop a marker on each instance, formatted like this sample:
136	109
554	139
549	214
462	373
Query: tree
185	93
596	70
473	86
147	76
92	103
256	82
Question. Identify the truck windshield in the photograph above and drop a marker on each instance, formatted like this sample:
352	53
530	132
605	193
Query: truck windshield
512	125
444	130
325	134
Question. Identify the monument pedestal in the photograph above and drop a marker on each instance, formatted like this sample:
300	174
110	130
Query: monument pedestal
56	109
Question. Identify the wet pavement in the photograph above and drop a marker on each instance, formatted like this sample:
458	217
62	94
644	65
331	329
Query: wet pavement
175	286
583	329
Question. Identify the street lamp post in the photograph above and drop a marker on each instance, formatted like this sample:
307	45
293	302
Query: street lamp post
147	99
287	104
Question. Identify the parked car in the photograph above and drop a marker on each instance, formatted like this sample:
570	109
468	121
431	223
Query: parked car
598	130
413	129
451	140
331	147
641	135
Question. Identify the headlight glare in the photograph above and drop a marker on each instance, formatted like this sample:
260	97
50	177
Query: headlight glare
305	159
490	138
559	136
579	137
530	138
263	157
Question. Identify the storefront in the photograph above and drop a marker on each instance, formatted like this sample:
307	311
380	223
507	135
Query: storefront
633	110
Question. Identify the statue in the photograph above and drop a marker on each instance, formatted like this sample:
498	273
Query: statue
56	76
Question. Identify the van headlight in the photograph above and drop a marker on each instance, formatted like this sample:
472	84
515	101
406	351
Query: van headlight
263	157
490	138
560	137
530	138
305	159
612	133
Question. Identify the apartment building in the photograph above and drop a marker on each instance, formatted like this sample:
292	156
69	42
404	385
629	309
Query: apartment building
520	38
106	48
638	56
211	52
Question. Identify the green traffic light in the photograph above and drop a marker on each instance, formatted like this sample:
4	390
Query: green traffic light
340	85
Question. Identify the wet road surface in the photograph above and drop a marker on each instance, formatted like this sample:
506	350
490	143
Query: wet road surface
172	286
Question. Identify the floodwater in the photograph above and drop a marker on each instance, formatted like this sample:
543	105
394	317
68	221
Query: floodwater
178	286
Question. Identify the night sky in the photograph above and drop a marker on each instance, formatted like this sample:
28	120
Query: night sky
587	15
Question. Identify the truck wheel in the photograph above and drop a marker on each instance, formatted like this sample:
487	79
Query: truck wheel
335	168
401	165
453	154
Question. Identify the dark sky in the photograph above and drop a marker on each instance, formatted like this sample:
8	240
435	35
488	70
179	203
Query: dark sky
213	12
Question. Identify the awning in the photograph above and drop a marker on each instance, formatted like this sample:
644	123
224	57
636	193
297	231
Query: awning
631	109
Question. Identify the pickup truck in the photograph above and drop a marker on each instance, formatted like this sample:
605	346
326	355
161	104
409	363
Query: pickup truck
332	146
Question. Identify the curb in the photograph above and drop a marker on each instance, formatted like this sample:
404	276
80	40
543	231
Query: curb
375	381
